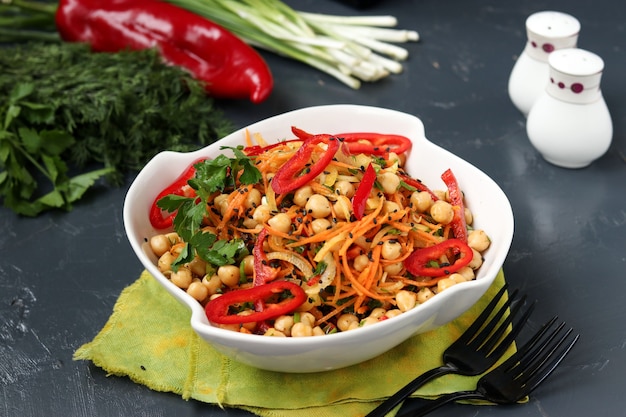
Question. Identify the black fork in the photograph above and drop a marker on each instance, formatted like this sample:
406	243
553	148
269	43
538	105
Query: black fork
519	375
475	351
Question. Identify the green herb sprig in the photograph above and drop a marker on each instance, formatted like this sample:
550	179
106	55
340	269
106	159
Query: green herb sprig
211	175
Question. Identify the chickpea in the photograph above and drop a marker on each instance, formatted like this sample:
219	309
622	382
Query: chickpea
442	212
320	225
478	239
360	262
343	207
318	331
395	158
477	260
421	201
444	284
248	265
213	283
318	206
391	250
467	272
229	275
301	330
221	203
197	266
284	324
302	195
368	321
307	318
378	312
389	181
469	216
261	214
424	294
253	199
231	327
160	244
346	320
393	313
390	206
198	290
173	237
280	222
182	278
406	300
165	262
441	195
393	269
250	326
273	332
343	187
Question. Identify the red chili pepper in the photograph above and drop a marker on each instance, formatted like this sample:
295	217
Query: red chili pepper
458	224
178	187
229	67
287	177
418	185
379	143
419	262
217	309
359	200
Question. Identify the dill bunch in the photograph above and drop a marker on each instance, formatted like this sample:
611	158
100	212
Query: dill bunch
116	110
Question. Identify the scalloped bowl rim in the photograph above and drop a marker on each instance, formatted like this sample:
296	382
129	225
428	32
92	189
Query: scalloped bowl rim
314	354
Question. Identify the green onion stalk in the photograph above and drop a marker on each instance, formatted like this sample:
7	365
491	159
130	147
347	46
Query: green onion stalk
351	49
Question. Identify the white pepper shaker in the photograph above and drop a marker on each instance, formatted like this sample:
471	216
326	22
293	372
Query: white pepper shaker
547	32
570	124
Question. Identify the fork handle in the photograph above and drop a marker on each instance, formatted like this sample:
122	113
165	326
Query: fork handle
391	402
440	401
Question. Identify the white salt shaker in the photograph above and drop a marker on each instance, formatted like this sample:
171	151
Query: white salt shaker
570	124
546	31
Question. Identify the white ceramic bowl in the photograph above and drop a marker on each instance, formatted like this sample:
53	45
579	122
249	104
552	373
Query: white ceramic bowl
491	209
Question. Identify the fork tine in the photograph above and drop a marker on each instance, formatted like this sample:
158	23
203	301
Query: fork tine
543	356
471	331
487	335
503	344
525	350
552	365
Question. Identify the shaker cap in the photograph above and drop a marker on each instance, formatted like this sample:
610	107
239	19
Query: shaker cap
548	31
575	75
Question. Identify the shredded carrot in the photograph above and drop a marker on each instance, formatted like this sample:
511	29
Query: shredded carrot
389	219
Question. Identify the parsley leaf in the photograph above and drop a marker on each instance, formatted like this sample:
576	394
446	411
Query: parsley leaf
211	175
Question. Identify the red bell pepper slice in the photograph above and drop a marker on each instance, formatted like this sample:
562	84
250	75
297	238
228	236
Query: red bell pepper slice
359	200
263	273
458	224
217	309
288	176
178	187
418	185
419	262
379	143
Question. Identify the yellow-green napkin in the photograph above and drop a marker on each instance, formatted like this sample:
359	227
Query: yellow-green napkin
148	338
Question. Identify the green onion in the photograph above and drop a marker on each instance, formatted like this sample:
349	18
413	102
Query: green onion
352	49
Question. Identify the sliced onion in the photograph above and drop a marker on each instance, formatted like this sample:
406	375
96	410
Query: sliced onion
297	260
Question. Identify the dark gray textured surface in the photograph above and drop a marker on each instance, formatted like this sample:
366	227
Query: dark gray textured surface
60	274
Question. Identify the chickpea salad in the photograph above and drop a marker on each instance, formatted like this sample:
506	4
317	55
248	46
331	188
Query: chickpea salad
313	235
